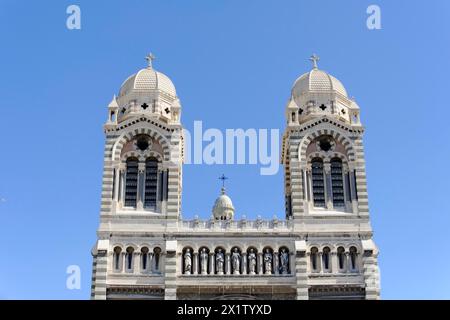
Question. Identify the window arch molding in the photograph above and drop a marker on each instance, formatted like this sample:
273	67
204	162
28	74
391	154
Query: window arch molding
142	157
129	135
326	158
335	134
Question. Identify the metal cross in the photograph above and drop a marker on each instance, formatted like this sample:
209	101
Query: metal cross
150	57
223	178
314	58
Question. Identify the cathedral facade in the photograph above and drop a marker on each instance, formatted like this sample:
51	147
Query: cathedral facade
323	249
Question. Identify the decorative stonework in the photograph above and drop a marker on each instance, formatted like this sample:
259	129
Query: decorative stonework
322	250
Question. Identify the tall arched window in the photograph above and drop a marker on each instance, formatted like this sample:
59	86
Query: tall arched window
116	258
326	258
131	182
129	258
341	257
337	183
318	184
353	256
151	183
314	258
144	258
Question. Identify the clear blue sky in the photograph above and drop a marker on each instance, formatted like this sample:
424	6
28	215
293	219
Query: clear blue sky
233	63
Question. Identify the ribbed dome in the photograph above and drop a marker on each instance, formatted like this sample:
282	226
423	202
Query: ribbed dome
317	81
223	207
148	80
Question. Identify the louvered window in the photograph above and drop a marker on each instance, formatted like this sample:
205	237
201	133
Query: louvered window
131	182
151	183
337	183
318	184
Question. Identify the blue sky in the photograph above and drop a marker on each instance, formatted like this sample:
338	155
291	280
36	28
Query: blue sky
233	63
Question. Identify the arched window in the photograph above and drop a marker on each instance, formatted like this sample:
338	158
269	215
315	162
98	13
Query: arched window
326	258
116	258
353	256
337	182
318	184
144	258
151	183
341	257
129	258
314	258
131	182
157	257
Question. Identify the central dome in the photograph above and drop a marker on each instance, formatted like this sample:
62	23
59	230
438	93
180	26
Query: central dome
223	207
148	80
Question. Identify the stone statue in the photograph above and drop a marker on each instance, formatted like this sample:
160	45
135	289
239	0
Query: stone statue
236	261
251	262
204	261
219	261
268	261
284	258
187	261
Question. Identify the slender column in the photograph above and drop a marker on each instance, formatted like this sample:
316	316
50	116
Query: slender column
244	263
121	186
260	263
334	262
275	261
353	190
123	261
227	263
136	261
149	262
346	191
140	191
320	262
195	263
211	263
328	190
347	262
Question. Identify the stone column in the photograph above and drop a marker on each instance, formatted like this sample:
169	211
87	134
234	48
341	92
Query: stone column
275	266
320	262
259	264
328	190
121	187
149	262
334	262
244	263
227	263
140	186
347	262
211	263
136	261
195	263
124	261
353	190
346	190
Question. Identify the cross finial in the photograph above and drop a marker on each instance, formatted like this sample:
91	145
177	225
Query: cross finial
314	58
223	178
150	57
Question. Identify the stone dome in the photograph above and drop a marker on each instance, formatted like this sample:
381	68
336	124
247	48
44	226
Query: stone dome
317	81
148	80
223	207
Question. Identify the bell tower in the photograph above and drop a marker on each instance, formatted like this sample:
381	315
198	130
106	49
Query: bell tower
325	179
142	175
